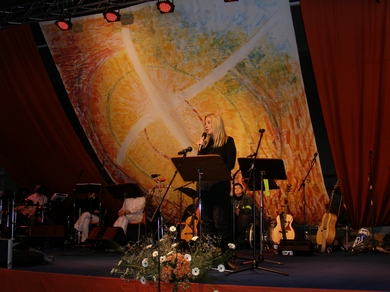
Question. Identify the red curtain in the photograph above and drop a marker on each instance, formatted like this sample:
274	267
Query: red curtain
349	43
38	143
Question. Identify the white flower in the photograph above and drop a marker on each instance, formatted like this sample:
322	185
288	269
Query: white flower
170	253
163	259
215	291
145	263
172	228
187	257
174	245
195	238
148	246
113	271
231	245
195	271
143	280
120	262
221	268
154	278
155	253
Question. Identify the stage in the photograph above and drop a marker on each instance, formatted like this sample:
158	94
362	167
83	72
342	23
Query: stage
82	268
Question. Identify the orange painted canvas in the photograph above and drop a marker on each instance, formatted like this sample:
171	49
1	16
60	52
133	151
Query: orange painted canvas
141	88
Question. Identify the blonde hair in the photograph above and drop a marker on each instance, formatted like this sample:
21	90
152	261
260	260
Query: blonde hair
219	132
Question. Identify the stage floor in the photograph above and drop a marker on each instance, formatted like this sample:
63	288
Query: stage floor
338	270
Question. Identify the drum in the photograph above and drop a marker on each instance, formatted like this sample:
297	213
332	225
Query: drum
249	235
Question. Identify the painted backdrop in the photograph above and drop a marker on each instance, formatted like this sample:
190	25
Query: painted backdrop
141	88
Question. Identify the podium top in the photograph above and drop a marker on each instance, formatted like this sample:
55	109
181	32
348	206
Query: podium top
121	191
212	165
270	168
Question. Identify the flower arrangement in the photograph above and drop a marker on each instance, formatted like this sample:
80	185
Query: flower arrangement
170	261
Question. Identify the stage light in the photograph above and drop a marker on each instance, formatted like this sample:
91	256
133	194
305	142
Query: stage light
111	15
64	24
165	6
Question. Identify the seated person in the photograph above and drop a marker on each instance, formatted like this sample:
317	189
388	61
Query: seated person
36	204
243	212
89	215
131	212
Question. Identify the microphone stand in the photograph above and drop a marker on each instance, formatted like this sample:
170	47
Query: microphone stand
76	234
371	200
303	187
100	196
158	211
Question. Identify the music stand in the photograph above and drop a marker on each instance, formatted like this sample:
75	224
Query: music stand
58	197
88	188
123	191
202	167
267	168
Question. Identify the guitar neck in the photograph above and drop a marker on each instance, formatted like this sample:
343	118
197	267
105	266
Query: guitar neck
332	195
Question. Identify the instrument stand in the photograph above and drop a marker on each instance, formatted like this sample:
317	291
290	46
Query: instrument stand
202	168
180	221
303	187
268	169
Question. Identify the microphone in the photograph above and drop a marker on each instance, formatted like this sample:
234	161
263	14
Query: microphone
154	175
184	151
201	145
261	131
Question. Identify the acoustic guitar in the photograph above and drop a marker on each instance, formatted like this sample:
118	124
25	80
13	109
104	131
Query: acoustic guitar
190	228
327	231
283	228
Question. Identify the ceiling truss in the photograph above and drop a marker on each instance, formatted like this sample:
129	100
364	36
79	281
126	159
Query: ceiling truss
17	12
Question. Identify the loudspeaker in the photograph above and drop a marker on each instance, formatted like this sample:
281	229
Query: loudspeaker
109	236
298	247
5	252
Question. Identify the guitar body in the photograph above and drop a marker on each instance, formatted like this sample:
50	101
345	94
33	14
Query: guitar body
283	228
283	224
327	231
190	228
